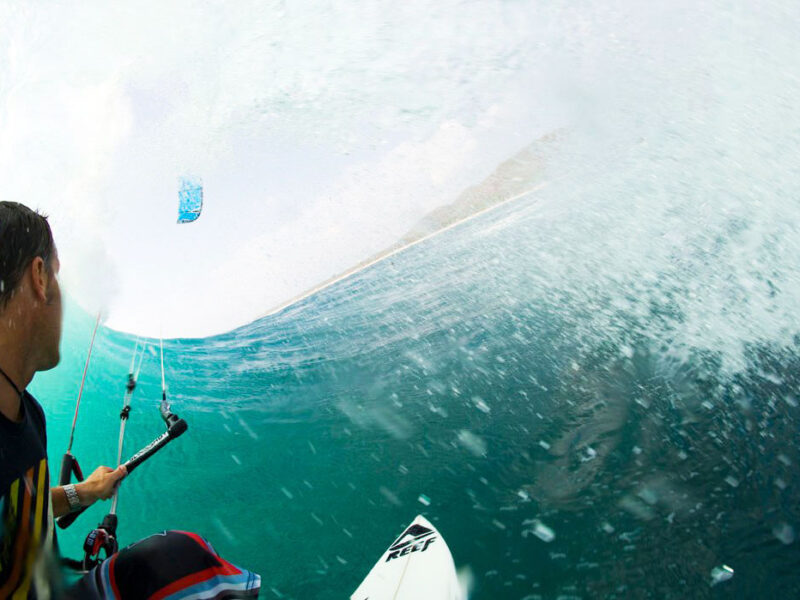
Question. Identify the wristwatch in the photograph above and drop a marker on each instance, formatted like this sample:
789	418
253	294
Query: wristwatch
72	498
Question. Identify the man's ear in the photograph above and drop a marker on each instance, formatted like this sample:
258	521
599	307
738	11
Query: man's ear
39	278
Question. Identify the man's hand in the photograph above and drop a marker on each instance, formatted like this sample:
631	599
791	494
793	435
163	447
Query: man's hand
100	485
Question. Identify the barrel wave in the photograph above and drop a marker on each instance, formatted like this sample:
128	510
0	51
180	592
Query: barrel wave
591	391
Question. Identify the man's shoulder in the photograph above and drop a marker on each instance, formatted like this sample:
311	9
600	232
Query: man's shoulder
36	411
24	447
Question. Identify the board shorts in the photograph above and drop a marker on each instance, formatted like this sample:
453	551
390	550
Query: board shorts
168	565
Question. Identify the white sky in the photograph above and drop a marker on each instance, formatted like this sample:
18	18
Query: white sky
321	132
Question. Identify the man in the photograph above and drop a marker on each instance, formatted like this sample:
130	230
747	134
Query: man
30	334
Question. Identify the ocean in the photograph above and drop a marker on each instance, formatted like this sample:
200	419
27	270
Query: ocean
511	374
591	391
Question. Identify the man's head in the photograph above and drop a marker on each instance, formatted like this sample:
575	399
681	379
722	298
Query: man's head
30	297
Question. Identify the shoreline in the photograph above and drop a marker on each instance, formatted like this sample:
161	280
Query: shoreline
389	253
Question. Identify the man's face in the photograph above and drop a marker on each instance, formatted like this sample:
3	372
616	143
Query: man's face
54	314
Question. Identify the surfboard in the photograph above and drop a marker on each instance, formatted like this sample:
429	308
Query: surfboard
417	565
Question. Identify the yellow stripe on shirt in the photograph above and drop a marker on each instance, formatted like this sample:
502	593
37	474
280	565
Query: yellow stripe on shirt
12	495
11	516
34	548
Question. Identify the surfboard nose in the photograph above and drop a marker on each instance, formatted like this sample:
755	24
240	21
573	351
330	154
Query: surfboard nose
418	564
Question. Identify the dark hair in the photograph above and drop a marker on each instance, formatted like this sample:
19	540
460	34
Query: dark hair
24	235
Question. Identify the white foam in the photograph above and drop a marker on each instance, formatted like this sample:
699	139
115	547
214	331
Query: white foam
323	132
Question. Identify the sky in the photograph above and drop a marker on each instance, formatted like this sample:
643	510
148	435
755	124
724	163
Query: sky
322	132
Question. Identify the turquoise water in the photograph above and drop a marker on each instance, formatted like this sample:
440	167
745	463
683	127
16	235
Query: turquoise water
614	356
468	370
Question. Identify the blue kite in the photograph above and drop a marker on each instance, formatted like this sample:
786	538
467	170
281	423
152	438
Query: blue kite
191	199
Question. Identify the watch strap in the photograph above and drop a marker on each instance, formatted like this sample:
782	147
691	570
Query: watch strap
72	497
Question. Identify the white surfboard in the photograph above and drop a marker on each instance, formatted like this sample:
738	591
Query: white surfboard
417	565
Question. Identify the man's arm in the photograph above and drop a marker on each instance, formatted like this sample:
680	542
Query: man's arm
100	485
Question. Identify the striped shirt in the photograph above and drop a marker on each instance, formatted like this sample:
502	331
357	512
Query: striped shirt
26	522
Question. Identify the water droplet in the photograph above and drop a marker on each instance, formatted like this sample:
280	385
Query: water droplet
720	574
481	405
223	529
648	495
390	496
539	529
784	532
472	443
